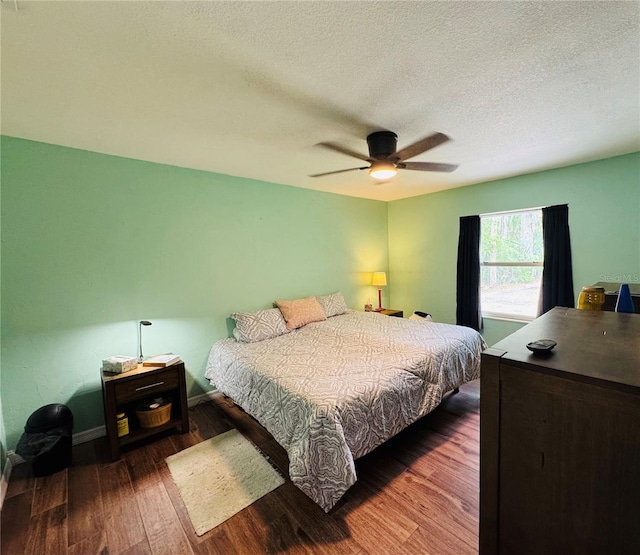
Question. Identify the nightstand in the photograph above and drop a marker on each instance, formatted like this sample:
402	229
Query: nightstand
391	312
122	393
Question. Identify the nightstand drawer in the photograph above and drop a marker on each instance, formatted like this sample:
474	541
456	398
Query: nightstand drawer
146	386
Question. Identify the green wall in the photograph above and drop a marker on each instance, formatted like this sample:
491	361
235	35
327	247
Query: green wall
93	243
604	218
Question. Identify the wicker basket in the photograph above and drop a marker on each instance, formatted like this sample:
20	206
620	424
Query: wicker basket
154	417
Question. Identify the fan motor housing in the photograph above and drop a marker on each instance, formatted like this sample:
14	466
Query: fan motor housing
382	144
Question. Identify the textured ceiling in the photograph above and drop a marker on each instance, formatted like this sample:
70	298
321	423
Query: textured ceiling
250	88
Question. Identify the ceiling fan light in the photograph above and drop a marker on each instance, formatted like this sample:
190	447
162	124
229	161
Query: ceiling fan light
382	170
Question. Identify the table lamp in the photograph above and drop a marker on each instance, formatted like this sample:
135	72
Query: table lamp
379	280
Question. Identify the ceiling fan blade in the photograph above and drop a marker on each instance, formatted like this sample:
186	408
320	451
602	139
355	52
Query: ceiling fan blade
343	150
427	166
338	171
419	147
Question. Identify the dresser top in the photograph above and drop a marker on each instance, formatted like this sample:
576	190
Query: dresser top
595	346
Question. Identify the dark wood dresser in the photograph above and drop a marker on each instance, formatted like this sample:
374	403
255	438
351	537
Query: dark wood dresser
560	438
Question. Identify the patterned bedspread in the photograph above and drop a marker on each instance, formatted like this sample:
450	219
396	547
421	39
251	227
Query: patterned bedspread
332	391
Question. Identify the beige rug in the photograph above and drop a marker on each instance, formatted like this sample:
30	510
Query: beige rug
219	477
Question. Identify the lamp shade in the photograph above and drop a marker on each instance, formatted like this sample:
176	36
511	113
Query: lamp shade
379	279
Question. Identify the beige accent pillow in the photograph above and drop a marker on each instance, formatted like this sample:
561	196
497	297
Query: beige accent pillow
301	312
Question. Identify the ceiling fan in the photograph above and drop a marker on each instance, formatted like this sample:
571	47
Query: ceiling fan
385	160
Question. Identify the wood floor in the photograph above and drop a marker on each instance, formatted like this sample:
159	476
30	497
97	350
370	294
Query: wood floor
417	494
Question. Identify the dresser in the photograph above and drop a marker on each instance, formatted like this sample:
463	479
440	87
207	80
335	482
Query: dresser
560	437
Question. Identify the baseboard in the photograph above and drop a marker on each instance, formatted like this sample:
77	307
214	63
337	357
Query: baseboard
208	396
100	431
89	435
4	481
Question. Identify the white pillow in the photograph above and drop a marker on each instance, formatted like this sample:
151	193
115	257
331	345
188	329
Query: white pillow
258	326
333	305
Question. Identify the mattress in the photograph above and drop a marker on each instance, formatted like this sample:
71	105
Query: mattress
333	391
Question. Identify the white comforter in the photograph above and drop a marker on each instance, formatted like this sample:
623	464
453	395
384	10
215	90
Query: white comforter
333	391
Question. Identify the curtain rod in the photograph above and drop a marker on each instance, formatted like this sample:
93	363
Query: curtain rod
512	211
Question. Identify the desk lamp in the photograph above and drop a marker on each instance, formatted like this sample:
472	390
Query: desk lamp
142	323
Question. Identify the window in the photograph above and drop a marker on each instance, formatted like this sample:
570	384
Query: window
511	263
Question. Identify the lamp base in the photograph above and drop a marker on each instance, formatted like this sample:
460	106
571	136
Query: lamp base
379	309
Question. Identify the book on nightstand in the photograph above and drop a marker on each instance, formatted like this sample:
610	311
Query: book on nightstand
162	360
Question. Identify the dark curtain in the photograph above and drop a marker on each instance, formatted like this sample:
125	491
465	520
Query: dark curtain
468	279
557	275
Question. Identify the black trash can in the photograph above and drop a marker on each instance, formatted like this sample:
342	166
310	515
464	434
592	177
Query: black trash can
46	441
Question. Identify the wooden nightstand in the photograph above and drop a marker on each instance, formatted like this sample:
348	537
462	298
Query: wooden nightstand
124	392
391	312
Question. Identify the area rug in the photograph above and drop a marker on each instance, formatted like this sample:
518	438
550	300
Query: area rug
219	477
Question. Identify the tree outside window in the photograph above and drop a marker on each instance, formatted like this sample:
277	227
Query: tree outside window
511	259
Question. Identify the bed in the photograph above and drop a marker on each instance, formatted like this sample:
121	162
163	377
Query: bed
332	391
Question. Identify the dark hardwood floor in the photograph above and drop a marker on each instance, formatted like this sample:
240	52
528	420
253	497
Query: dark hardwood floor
417	494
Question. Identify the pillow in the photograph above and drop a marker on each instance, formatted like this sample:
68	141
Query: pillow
301	312
260	325
333	304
